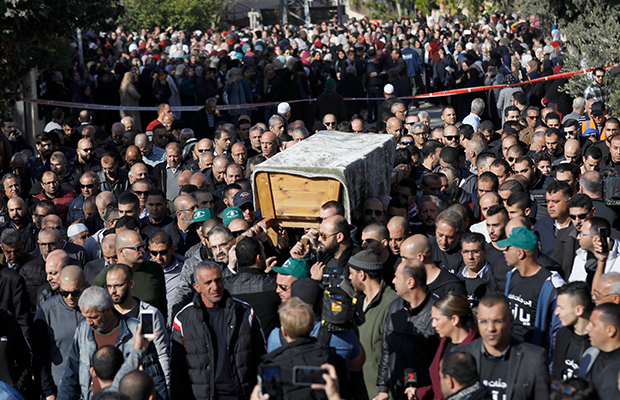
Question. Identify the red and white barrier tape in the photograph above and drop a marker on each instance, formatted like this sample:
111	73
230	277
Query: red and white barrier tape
240	106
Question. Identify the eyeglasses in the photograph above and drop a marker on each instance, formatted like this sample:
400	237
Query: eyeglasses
586	234
75	293
369	212
580	216
158	253
564	389
325	237
118	286
192	209
598	295
91	186
498	321
221	246
451	138
138	248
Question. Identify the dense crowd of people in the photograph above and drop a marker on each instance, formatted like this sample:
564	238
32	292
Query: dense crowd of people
490	271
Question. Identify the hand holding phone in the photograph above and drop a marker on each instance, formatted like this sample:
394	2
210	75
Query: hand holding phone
148	328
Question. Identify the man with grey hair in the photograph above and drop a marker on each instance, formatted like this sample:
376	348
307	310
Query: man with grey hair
579	108
419	131
399	110
424	118
103	325
277	126
196	333
446	244
454	191
607	289
205	161
300	133
255	134
473	119
430	207
13	254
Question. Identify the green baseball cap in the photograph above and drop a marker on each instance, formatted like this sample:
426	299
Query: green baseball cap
299	268
520	237
231	213
202	215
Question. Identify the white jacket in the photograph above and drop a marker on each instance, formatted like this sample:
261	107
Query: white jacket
613	262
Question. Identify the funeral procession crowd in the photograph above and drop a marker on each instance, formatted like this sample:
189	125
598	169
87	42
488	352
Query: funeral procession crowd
135	264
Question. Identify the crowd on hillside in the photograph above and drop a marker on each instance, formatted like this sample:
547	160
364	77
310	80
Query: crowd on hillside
135	265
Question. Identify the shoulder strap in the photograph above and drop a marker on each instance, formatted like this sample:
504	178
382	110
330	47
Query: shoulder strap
324	335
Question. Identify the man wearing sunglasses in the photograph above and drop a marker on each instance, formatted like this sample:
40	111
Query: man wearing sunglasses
149	280
89	186
162	252
54	327
596	90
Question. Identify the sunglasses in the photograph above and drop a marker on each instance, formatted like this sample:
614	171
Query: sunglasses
140	192
580	216
330	123
91	186
405	143
158	253
510	159
66	294
564	389
451	138
377	213
138	247
284	288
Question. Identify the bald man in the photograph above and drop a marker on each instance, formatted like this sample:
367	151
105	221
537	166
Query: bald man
217	173
54	327
203	145
398	228
183	178
148	277
77	252
34	271
138	171
94	267
133	155
95	222
18	219
239	154
269	144
438	280
198	179
151	155
85	160
572	151
52	190
182	236
394	126
205	161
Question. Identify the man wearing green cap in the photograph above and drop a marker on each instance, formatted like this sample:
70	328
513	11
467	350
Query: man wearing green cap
231	213
288	273
531	289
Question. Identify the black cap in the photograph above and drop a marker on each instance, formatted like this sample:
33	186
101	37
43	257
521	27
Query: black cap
598	108
308	290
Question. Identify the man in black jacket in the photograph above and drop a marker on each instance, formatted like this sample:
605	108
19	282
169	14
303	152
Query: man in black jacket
409	340
510	369
217	342
297	320
252	285
167	172
459	379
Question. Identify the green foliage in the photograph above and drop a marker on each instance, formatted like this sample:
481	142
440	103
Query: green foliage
189	14
33	33
592	30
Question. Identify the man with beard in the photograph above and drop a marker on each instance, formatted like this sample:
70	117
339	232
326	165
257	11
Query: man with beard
18	219
102	325
54	192
445	245
454	192
149	281
53	328
398	228
89	186
430	206
376	237
157	218
85	160
182	236
40	163
58	164
558	193
119	282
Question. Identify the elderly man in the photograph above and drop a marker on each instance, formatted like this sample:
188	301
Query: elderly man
133	155
13	255
54	192
77	234
89	186
167	172
151	155
269	144
149	281
34	271
239	154
54	327
94	267
103	325
215	176
137	171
